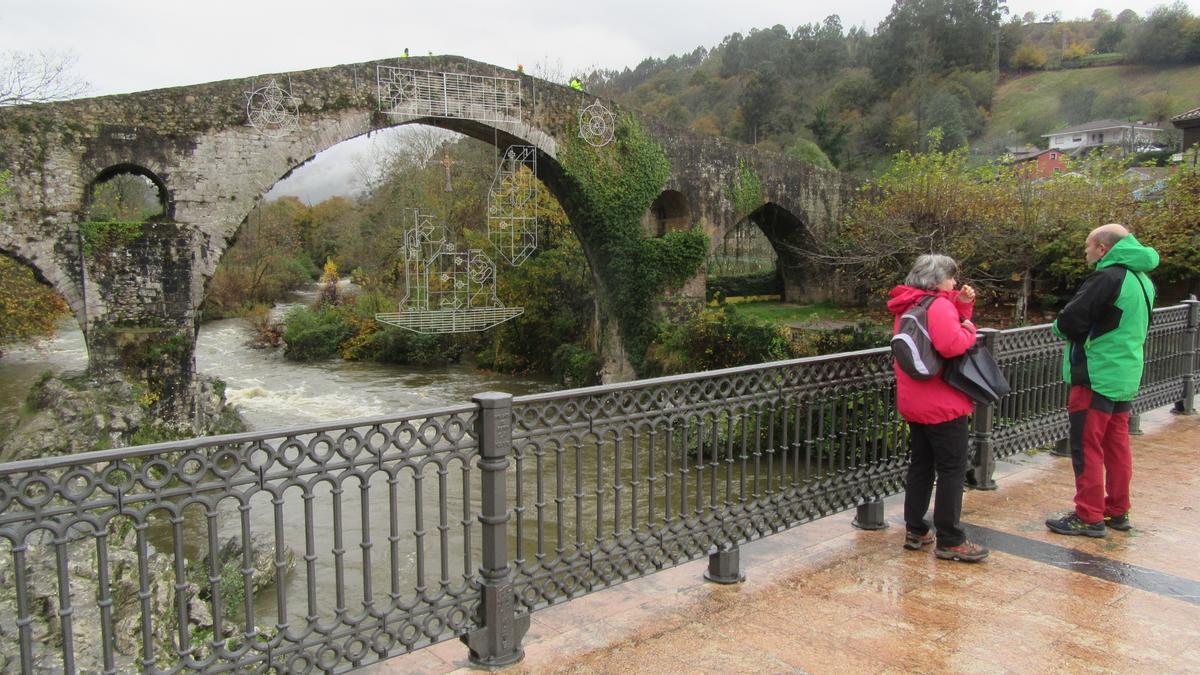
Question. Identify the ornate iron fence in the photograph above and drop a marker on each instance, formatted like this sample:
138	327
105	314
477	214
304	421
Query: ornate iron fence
329	547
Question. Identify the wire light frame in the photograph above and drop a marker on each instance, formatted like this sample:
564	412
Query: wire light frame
424	93
596	124
272	110
447	290
512	205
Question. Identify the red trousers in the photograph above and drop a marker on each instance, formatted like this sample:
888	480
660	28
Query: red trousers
1100	454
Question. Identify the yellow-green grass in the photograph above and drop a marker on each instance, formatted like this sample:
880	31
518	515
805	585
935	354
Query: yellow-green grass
1039	94
786	313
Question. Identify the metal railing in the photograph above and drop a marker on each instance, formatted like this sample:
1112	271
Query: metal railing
330	547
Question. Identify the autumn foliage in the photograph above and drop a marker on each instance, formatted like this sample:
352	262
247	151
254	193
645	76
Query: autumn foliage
28	308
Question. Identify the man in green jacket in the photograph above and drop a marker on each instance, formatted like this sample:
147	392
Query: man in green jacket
1105	326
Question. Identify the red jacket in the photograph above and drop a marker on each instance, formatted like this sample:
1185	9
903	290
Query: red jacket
933	401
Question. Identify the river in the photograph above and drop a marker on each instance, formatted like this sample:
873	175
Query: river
270	391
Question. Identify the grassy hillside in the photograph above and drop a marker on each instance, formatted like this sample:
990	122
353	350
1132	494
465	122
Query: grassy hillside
1025	107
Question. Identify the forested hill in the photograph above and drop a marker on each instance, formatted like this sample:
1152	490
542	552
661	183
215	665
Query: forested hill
852	97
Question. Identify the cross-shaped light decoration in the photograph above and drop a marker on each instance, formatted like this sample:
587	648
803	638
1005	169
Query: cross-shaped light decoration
446	163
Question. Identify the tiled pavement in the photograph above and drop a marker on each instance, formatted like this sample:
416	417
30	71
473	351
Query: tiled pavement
827	598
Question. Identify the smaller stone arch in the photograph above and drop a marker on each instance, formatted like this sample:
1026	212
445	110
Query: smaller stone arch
669	212
792	241
155	186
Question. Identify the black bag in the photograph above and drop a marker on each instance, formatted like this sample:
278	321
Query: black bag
976	374
912	347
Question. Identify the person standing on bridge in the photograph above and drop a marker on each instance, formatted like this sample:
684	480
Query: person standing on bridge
936	412
1105	326
576	84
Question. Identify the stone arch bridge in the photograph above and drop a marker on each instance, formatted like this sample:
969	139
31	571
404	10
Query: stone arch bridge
137	299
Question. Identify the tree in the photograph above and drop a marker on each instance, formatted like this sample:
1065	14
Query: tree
829	134
125	197
1128	16
944	34
760	99
1101	15
1110	39
37	78
1076	102
807	151
944	111
1029	57
1164	37
28	307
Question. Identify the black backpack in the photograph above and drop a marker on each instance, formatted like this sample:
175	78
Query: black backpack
912	347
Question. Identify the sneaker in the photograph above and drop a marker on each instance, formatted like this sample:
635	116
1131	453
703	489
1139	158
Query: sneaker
1120	522
914	541
1072	525
964	552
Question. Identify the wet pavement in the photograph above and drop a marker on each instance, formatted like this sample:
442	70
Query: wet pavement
827	598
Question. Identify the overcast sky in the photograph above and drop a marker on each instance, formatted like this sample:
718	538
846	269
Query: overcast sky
133	45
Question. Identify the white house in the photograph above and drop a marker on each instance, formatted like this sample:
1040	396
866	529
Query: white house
1132	135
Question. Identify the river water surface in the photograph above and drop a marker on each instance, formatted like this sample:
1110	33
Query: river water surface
270	391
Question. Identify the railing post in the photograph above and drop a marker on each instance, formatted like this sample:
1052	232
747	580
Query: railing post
983	463
1190	360
497	642
724	564
869	516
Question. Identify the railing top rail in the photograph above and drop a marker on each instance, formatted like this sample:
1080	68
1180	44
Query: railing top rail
689	377
117	454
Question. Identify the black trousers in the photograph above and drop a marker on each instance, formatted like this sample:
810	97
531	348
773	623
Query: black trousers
937	450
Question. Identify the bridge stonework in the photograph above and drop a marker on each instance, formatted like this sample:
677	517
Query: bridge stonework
137	299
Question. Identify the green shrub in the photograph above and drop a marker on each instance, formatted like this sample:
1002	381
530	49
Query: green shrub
715	338
396	345
817	342
315	334
574	366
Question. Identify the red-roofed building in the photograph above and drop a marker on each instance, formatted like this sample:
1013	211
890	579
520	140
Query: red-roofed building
1041	163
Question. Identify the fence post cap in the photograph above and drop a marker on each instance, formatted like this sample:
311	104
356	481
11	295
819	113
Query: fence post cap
492	399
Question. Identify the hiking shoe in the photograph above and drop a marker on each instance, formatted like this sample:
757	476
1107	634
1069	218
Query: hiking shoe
964	552
1120	522
914	541
1072	525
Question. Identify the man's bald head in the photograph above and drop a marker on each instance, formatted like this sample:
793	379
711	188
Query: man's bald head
1102	239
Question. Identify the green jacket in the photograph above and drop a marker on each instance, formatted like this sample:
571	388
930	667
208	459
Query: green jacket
1105	324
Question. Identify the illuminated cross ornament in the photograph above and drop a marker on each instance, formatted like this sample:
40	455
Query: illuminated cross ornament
447	290
446	163
273	111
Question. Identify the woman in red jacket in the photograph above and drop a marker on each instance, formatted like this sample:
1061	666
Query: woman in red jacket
936	412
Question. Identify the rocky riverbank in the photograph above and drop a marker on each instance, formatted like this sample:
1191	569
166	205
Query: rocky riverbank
72	413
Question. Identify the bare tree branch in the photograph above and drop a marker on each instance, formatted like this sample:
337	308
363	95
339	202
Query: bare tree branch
38	78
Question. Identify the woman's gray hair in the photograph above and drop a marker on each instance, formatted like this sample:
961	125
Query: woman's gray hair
930	270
